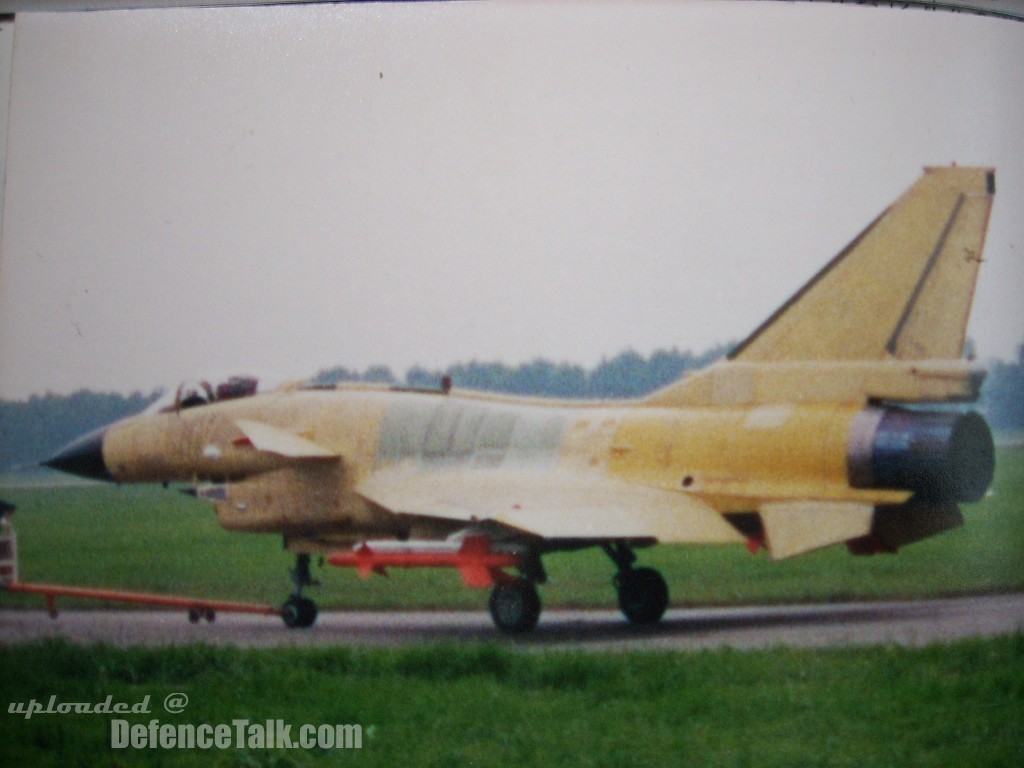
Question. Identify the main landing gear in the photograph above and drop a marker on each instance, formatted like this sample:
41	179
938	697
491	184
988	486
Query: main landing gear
515	605
643	593
299	611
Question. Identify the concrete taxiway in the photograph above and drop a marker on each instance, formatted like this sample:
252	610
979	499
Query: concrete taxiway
912	623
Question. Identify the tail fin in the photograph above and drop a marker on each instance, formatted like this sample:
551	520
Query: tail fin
901	290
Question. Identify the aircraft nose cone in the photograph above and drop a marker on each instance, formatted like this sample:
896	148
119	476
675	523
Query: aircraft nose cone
83	457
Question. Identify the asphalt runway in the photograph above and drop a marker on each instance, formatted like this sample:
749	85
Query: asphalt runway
911	623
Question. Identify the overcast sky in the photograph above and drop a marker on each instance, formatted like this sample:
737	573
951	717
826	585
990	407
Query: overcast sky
285	189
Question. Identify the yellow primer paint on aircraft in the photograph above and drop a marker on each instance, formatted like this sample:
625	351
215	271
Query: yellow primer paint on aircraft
799	440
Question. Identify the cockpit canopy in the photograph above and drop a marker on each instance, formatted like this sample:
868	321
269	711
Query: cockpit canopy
195	392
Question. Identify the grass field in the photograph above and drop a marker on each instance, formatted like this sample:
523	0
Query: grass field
148	538
484	705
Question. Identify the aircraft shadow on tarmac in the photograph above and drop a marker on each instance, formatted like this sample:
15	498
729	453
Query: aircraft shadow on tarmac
711	625
603	628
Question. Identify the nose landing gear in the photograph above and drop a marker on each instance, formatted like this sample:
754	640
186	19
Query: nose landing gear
298	611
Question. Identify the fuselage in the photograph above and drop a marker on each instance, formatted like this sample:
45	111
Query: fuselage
735	458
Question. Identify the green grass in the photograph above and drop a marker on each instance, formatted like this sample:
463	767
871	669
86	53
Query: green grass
484	705
148	538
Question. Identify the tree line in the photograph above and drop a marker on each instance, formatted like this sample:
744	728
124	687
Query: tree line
1002	395
626	375
34	429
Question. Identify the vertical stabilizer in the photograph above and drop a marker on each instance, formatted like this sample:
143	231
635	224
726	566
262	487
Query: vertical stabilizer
901	290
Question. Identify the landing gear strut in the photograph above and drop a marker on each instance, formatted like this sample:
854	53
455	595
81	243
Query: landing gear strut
299	611
643	593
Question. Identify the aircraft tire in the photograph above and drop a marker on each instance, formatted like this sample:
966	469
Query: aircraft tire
643	595
515	606
298	612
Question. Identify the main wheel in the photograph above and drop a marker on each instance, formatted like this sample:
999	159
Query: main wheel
298	612
643	595
515	607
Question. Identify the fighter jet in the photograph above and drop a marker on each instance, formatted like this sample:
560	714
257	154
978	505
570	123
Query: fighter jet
809	434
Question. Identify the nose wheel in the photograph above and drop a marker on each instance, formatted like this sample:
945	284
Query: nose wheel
299	612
